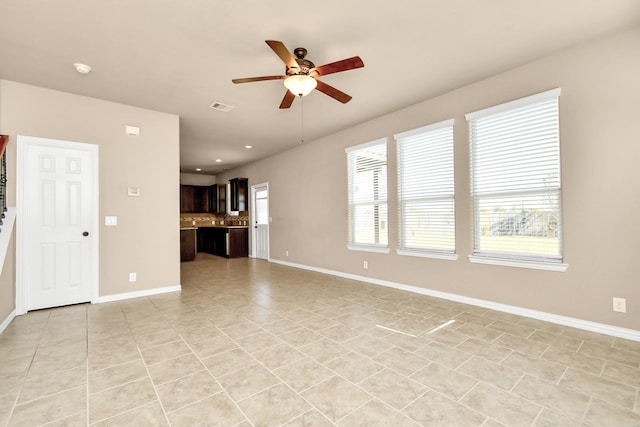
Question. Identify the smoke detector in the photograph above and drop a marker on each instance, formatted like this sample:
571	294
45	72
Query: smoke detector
82	68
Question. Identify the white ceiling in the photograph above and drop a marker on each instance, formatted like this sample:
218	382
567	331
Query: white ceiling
179	56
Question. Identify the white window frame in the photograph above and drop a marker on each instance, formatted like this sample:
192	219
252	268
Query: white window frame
382	226
505	258
405	196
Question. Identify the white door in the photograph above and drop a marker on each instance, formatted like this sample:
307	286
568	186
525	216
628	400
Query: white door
57	207
260	221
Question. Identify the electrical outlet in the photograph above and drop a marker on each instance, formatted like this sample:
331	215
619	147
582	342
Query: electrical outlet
365	264
620	305
133	277
286	253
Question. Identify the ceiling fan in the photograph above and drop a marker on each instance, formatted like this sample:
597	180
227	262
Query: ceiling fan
301	75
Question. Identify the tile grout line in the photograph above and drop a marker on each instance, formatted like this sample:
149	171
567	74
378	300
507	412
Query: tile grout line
155	390
586	409
288	386
61	419
33	356
459	401
278	377
362	333
223	390
131	334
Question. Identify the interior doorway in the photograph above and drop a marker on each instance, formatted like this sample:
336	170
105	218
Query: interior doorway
57	230
260	218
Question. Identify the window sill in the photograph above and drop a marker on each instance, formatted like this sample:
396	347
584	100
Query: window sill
368	248
536	265
435	255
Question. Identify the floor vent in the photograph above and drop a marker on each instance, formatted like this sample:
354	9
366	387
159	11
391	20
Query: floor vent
221	107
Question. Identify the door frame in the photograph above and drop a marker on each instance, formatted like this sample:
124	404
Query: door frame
23	142
252	219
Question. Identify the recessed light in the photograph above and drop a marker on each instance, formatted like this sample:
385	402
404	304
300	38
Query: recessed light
198	169
218	160
248	146
82	68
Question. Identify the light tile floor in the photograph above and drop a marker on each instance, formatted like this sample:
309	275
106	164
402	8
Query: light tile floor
248	343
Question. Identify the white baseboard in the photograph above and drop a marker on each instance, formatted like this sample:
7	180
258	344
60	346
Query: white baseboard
630	334
138	294
6	322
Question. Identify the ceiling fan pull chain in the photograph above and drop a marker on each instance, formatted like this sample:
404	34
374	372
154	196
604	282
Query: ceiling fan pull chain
301	119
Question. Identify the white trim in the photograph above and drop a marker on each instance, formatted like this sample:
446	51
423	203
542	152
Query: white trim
22	143
423	129
6	322
138	294
252	219
5	235
368	248
535	265
367	144
602	328
435	255
527	100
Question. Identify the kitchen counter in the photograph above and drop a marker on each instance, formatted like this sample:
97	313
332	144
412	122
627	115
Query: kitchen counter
195	227
223	226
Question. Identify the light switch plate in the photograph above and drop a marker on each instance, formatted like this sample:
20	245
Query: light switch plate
110	221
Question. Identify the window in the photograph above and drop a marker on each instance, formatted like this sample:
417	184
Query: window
515	182
367	180
426	191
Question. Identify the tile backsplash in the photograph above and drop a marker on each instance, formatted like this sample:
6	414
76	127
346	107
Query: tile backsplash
207	219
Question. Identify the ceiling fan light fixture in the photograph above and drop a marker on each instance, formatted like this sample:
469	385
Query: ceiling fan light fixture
300	84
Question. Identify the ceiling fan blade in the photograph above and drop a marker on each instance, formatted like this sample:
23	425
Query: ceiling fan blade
287	100
333	92
257	79
338	66
281	50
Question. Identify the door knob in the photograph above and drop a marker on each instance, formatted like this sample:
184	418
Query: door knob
85	233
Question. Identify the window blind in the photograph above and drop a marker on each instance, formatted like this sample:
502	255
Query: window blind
426	188
515	179
367	181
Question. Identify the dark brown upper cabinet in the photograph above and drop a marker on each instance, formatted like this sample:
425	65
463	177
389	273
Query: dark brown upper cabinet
239	194
198	198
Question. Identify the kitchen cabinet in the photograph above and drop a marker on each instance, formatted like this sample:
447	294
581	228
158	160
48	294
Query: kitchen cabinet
230	242
221	199
239	194
187	244
198	198
238	242
205	239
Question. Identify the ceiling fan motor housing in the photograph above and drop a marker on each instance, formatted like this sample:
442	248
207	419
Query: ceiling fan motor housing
305	66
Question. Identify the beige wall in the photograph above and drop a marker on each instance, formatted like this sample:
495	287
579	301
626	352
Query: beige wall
146	240
599	119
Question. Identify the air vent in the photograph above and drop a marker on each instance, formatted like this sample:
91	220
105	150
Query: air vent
221	107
